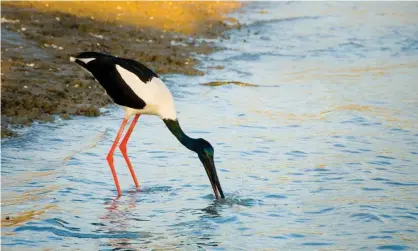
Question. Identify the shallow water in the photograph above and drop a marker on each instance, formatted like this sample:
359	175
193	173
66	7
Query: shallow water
322	155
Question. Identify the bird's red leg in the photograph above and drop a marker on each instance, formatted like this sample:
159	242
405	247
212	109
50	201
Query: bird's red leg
122	148
110	155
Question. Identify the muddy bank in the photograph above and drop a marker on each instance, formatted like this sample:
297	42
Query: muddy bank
38	81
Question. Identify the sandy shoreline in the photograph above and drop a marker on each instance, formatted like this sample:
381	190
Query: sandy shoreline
38	81
179	16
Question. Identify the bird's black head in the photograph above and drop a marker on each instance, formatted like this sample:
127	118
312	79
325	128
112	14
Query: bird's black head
205	152
84	58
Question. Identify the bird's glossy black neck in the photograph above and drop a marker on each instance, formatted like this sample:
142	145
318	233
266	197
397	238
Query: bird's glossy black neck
175	129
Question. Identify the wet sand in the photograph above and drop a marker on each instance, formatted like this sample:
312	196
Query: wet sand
39	82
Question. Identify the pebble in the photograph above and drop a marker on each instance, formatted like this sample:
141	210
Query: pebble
5	20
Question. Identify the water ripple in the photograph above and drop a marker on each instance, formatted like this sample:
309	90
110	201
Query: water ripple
317	244
393	247
275	196
366	217
66	233
379	237
61	223
325	210
394	183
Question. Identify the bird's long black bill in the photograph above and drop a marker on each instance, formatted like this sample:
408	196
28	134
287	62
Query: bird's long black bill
213	177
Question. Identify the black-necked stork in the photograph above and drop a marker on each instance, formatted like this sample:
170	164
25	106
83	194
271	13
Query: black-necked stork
139	90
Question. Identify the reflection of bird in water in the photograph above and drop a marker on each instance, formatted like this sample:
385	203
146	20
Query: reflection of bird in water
120	218
140	91
117	220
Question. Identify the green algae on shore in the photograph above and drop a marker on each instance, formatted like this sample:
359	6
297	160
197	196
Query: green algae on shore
219	83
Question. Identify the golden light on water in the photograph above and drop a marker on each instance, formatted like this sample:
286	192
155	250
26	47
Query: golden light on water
29	195
19	218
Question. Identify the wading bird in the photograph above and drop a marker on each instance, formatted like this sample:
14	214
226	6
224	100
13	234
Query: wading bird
139	90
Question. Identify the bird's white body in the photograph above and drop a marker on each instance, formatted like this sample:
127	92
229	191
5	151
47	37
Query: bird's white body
154	93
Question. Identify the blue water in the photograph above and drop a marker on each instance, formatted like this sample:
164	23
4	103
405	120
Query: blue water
322	155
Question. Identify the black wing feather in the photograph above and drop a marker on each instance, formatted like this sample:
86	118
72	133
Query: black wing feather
104	70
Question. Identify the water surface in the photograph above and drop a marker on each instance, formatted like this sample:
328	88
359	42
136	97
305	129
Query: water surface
321	155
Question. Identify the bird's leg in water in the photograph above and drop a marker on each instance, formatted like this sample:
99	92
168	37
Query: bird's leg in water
122	148
110	155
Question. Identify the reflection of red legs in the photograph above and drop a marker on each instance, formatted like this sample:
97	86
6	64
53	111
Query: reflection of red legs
110	155
122	148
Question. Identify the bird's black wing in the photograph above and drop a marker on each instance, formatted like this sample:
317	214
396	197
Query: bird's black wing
104	70
143	72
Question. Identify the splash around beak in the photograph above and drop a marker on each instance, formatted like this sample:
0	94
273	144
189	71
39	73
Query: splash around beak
213	177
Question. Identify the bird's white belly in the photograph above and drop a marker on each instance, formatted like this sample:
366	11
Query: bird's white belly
154	93
148	109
